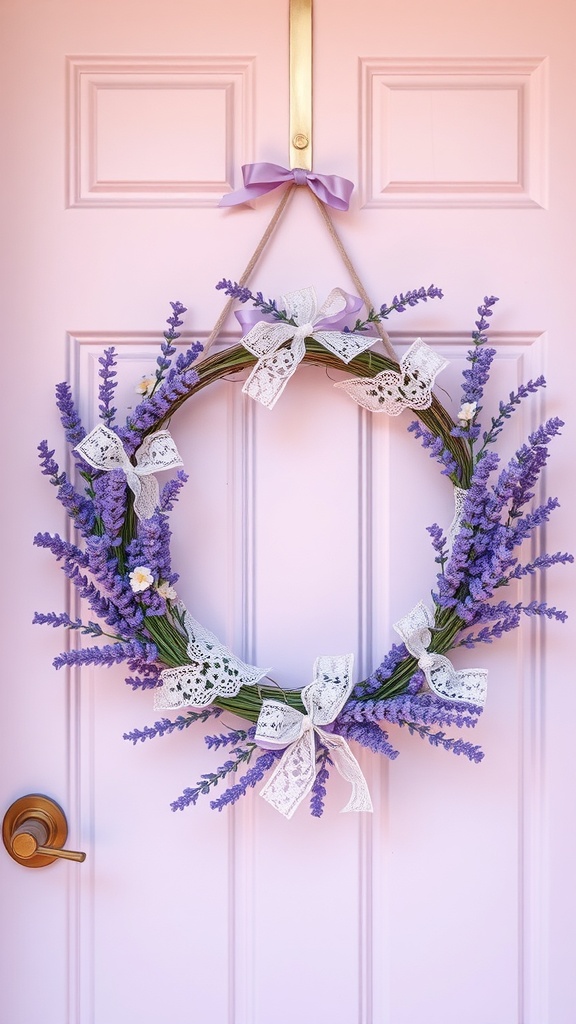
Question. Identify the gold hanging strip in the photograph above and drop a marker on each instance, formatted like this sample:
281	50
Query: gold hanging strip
301	84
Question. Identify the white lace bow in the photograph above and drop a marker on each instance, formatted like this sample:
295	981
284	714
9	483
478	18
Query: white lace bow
282	726
468	685
213	671
278	361
103	449
392	391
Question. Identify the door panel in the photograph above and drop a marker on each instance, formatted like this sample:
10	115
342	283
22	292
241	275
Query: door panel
302	530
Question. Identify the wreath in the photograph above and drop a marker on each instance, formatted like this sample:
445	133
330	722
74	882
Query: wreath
120	564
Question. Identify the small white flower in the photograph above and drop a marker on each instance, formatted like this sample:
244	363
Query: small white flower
467	412
141	578
166	590
145	386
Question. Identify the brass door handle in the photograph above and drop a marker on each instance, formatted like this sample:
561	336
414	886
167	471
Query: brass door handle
34	831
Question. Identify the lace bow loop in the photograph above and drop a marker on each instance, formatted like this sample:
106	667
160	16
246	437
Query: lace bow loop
464	685
280	346
392	391
102	449
280	726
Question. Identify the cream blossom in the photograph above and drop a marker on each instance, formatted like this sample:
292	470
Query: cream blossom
141	578
145	386
166	590
467	412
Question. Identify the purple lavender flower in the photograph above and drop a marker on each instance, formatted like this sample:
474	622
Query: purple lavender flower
411	298
150	412
476	378
110	503
437	449
369	735
185	359
540	562
62	550
318	791
109	654
166	726
505	409
107	386
63	619
439	739
148	678
168	349
383	673
236	291
171	491
229	739
241	755
48	466
79	508
253	776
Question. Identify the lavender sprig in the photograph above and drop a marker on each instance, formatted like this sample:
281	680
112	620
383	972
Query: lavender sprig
437	449
476	378
149	413
229	739
370	735
167	348
505	409
63	619
108	655
49	467
269	307
540	562
242	755
252	777
439	739
108	384
148	679
398	305
318	791
171	491
166	726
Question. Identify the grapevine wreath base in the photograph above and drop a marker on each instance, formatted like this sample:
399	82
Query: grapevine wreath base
119	562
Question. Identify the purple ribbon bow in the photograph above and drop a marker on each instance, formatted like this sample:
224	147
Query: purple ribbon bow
263	177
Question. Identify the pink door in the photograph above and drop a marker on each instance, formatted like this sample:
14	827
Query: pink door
302	530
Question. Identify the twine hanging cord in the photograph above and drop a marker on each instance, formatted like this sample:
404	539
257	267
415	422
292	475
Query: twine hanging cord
280	209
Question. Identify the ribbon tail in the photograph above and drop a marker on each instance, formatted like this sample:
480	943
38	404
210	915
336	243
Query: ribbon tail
293	777
259	178
331	189
244	195
146	495
272	373
350	770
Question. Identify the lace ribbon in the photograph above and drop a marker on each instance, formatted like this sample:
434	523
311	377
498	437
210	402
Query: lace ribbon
467	685
278	361
214	671
282	726
454	528
103	449
392	391
263	177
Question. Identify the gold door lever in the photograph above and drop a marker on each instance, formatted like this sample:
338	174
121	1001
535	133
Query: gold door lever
34	831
